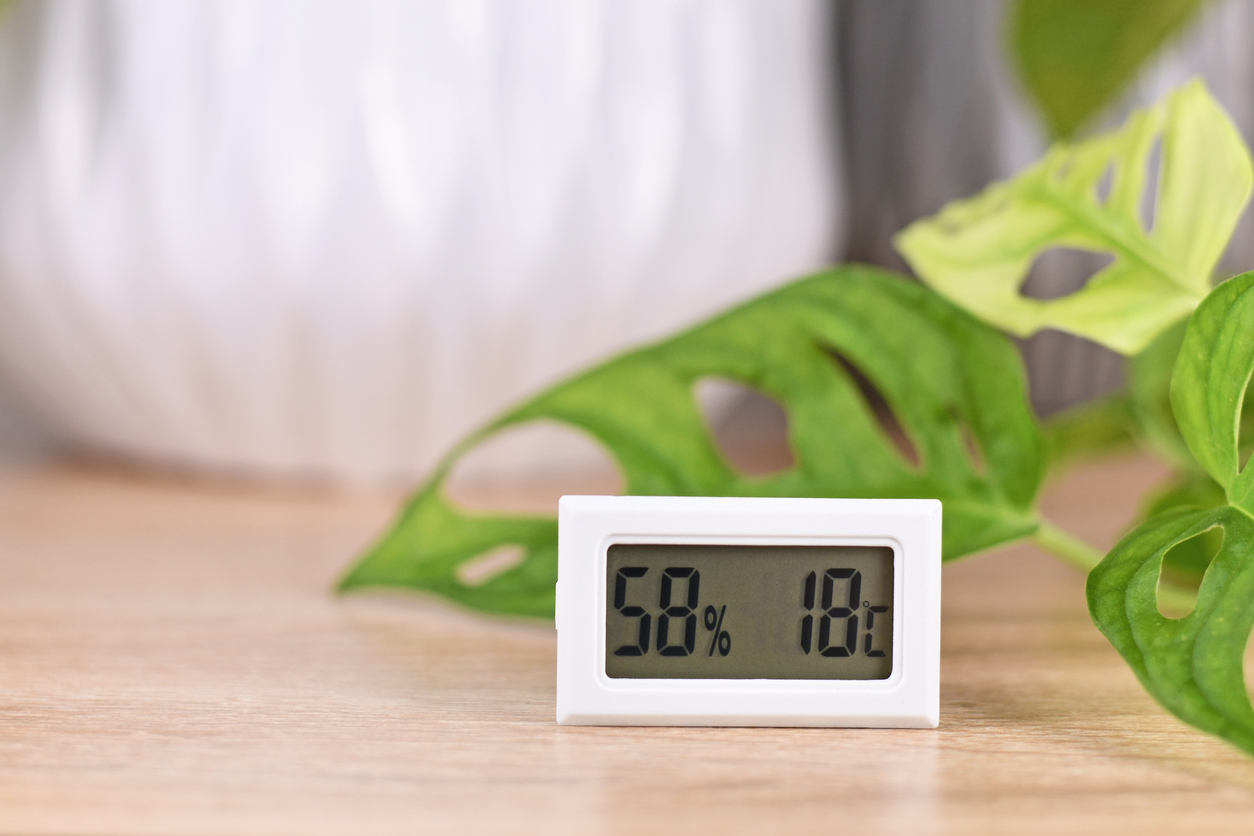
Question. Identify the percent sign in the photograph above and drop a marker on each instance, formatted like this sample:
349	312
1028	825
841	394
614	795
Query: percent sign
714	621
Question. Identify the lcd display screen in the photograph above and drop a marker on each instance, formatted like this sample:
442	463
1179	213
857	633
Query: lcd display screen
749	612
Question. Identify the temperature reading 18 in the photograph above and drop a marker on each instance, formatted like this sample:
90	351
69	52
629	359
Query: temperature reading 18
838	625
672	612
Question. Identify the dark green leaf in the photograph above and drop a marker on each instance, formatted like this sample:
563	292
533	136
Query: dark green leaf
953	385
1101	426
1192	665
1209	382
1154	426
1076	56
1139	416
1184	565
1149	394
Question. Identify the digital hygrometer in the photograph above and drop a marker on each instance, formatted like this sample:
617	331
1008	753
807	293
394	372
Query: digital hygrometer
748	611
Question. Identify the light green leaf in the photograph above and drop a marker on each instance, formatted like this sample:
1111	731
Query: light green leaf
977	252
1192	665
952	384
1077	55
1209	382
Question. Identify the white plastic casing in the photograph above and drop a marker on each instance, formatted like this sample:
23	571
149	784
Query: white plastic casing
589	525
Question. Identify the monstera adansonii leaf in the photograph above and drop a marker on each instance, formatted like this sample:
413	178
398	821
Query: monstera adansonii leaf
1089	196
954	386
1077	56
1193	665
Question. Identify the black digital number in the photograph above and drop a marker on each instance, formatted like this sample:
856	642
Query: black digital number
807	623
829	623
620	599
830	613
685	611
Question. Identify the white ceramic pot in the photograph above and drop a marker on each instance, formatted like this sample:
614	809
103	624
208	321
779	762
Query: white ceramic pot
330	238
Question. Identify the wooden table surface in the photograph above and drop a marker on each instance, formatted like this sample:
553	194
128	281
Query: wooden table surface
172	661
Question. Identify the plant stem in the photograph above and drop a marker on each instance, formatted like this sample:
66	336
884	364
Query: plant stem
1059	543
1080	554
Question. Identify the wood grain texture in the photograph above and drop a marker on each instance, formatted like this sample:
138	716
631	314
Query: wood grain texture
172	661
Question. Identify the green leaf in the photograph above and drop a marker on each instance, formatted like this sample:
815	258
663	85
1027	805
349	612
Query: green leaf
1209	382
1184	565
1149	395
1078	55
951	383
1155	428
1191	665
1101	426
977	252
1139	416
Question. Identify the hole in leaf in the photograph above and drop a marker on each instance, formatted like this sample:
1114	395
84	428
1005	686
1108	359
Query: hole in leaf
1184	566
749	428
1245	428
718	396
479	570
1065	168
880	409
1149	193
526	469
974	452
1061	271
1248	667
1101	191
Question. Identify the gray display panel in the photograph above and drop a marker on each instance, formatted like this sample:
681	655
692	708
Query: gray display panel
749	612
